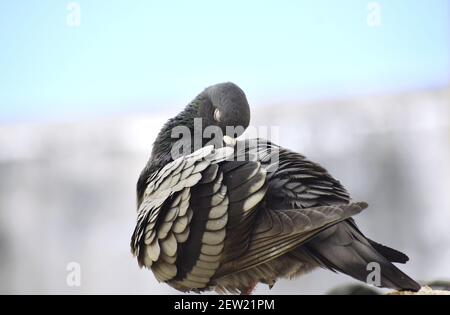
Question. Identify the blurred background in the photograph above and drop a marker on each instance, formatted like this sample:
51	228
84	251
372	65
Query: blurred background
362	87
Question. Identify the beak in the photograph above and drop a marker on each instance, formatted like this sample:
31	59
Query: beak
217	115
229	142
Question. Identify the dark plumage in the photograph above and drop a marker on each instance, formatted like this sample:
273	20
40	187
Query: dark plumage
227	218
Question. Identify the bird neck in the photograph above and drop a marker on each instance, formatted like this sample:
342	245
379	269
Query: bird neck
180	130
162	152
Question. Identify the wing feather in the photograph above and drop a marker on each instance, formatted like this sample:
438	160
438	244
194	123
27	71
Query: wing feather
280	231
165	210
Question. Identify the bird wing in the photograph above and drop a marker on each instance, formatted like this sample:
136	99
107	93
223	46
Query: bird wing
301	200
165	212
294	181
224	210
279	231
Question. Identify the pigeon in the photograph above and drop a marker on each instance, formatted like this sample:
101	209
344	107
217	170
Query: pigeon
224	213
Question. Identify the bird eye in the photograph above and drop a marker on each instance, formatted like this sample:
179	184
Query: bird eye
217	115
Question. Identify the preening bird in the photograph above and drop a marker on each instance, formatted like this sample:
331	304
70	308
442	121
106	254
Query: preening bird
229	215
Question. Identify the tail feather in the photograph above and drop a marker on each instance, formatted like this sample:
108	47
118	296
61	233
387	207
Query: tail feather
391	254
345	249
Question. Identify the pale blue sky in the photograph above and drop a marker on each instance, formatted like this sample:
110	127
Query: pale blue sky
131	56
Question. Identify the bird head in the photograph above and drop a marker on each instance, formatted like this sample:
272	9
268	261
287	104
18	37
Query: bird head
219	110
224	105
